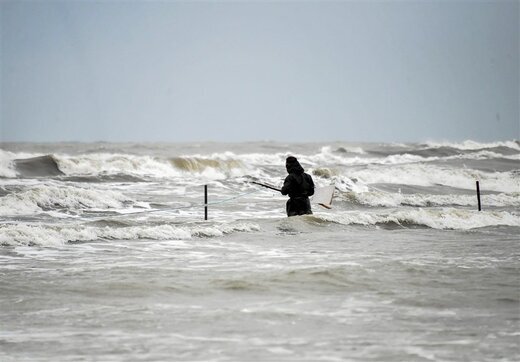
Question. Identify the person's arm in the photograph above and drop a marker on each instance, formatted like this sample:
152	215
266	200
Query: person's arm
287	185
311	186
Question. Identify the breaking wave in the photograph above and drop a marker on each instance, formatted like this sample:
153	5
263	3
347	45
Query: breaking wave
40	166
47	197
211	167
108	166
7	168
196	164
230	164
473	145
115	164
431	175
47	235
377	198
444	218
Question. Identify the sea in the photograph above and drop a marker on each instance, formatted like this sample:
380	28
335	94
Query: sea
105	253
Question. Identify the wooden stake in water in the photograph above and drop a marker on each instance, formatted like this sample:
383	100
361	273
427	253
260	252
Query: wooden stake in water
478	196
206	202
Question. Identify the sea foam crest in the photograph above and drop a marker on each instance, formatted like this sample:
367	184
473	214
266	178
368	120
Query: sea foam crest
484	155
216	166
431	175
223	229
473	145
398	159
327	157
246	158
49	235
386	199
113	164
6	164
46	197
22	234
444	218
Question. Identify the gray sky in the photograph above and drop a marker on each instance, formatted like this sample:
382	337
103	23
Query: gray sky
239	71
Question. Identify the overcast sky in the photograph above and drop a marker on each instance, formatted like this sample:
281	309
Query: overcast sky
389	71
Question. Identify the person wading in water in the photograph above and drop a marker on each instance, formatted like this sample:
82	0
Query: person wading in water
299	186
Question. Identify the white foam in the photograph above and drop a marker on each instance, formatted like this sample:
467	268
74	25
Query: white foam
21	234
473	145
6	164
251	164
50	235
220	230
484	155
430	175
39	197
111	164
328	158
380	198
345	184
146	166
229	164
444	218
325	156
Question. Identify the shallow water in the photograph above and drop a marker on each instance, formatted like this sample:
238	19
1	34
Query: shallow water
341	293
101	268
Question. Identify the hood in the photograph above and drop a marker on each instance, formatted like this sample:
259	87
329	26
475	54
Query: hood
293	166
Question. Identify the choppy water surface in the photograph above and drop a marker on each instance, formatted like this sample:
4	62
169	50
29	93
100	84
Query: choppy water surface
105	254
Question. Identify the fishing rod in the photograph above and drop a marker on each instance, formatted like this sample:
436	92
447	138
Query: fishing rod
267	186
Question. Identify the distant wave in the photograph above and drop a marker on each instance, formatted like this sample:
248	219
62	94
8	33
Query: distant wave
327	157
196	164
127	167
473	145
343	149
110	166
431	175
115	164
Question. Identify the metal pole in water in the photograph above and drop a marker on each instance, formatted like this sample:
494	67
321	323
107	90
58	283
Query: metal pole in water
206	202
478	196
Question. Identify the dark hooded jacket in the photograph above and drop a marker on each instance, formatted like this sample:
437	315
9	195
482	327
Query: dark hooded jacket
299	186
